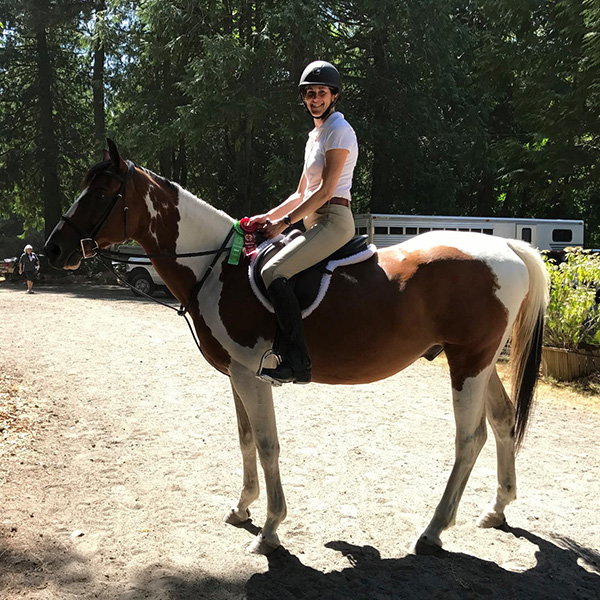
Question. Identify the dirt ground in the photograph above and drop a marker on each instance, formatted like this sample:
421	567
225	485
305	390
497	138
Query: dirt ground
119	459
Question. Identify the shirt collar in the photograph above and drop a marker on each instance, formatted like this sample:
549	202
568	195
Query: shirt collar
329	121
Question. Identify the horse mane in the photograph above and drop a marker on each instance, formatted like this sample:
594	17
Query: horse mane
103	166
182	192
160	178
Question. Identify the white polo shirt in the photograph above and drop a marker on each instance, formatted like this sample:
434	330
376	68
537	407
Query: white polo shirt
335	133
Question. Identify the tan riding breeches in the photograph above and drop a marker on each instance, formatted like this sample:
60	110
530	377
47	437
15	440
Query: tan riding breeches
327	230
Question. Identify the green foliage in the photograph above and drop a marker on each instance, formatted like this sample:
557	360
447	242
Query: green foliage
486	108
23	145
573	319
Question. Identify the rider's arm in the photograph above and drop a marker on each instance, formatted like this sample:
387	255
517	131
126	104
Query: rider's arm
309	203
285	207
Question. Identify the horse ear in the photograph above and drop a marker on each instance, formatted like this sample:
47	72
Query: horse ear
113	154
105	155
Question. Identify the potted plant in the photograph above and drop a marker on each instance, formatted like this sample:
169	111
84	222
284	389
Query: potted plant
572	334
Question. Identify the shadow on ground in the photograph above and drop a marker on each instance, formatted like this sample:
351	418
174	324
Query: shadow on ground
450	576
447	575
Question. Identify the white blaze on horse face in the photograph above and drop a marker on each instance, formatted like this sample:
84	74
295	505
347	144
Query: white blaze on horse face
73	208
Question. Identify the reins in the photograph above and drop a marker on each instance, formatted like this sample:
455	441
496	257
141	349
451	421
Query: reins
182	311
125	256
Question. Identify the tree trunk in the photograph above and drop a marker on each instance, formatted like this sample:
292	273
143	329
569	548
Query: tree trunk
98	91
180	166
383	166
48	143
486	196
165	159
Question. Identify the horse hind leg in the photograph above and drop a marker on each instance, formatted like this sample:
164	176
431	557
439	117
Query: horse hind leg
501	416
250	485
471	434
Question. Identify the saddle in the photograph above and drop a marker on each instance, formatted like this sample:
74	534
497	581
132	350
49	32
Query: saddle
310	285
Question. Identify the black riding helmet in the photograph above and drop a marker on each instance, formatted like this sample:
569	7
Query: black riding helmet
321	72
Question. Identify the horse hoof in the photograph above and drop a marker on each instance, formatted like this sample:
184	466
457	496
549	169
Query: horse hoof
426	547
491	519
236	516
260	545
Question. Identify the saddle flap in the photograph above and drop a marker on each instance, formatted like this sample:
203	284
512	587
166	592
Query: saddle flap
311	284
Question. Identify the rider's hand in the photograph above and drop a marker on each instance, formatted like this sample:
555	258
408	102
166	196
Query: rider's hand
274	228
257	221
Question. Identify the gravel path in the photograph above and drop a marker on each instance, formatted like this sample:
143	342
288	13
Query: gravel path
121	458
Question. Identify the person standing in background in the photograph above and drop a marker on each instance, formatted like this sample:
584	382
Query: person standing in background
29	264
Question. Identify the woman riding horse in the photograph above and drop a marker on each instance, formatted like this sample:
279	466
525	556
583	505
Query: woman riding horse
322	201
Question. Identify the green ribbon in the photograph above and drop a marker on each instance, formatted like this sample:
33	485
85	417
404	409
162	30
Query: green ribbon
238	244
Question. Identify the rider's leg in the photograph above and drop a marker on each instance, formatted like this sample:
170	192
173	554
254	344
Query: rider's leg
327	230
295	361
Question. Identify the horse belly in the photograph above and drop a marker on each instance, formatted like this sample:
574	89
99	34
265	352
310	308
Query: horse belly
372	335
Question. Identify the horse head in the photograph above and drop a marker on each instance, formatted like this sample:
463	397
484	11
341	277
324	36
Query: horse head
99	216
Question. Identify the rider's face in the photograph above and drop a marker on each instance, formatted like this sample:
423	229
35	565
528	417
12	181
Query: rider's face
318	98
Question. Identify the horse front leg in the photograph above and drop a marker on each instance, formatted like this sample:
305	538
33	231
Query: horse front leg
469	414
501	415
256	398
250	486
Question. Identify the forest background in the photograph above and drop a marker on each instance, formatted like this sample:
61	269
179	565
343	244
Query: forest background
480	107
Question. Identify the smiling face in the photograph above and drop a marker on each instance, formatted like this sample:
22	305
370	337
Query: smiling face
318	98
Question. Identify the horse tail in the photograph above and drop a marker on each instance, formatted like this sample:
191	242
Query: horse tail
527	334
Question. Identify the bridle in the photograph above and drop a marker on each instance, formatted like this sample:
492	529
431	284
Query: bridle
89	246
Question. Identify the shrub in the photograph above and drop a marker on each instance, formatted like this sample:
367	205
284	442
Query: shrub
573	320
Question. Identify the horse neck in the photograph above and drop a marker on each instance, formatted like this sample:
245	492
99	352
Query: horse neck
200	223
188	223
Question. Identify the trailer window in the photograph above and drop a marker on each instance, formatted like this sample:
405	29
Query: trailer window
411	231
362	231
424	229
381	230
475	230
397	230
488	231
526	234
449	228
562	235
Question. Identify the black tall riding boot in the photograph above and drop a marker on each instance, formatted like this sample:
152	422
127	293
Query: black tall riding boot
295	364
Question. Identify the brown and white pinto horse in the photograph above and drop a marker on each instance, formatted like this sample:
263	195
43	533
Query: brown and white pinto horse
466	291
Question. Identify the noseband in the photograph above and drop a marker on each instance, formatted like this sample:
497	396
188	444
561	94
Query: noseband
89	246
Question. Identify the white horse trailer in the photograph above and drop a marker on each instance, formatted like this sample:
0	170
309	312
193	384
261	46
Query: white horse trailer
544	234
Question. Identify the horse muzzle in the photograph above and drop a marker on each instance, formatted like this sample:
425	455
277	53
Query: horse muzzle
60	258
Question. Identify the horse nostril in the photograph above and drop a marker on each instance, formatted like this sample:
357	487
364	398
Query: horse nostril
52	250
